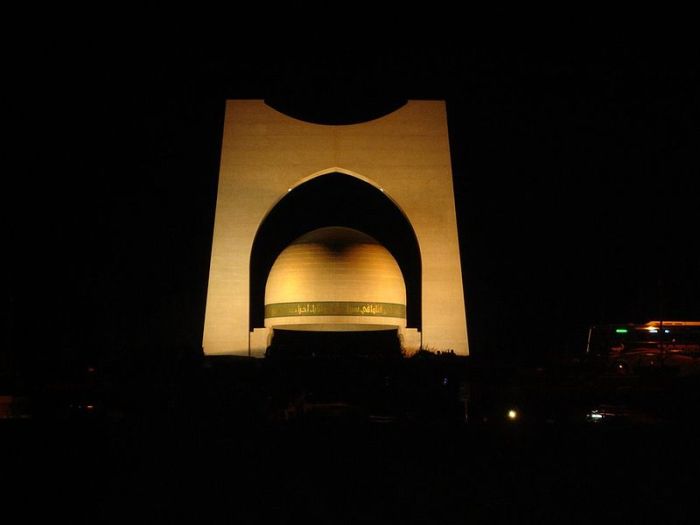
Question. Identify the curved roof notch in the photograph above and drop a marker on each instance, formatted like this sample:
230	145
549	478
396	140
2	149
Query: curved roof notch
339	111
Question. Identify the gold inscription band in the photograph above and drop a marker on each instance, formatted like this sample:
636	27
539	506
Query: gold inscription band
335	308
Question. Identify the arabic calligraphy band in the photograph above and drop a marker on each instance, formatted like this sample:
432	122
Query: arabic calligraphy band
331	308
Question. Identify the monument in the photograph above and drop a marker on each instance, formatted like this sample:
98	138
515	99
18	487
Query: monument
335	228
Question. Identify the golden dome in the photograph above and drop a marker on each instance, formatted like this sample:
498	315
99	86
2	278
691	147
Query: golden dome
335	279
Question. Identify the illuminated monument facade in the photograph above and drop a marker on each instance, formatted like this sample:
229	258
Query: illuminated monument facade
335	228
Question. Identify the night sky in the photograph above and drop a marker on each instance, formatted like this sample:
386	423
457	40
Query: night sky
575	174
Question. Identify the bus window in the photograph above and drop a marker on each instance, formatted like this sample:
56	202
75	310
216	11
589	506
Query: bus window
633	348
606	340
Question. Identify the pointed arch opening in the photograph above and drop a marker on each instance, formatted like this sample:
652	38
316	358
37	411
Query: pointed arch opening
336	199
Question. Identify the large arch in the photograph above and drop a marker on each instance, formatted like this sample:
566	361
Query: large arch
265	152
336	198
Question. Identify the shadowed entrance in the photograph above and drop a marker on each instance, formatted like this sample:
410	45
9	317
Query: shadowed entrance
320	345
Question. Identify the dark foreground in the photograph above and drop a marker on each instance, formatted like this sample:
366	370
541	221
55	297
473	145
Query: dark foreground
201	470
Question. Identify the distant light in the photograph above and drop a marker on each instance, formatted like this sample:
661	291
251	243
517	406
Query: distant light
667	331
595	415
89	407
444	381
512	414
653	330
621	330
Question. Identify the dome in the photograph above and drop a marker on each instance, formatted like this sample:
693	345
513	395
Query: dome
335	279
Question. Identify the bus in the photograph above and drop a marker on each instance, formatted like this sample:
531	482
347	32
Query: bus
630	348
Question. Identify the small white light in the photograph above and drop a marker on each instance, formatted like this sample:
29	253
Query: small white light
381	189
512	414
289	189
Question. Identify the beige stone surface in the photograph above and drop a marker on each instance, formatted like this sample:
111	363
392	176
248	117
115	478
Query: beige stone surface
265	153
335	271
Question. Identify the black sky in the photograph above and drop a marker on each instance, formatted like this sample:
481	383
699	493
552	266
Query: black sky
575	172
